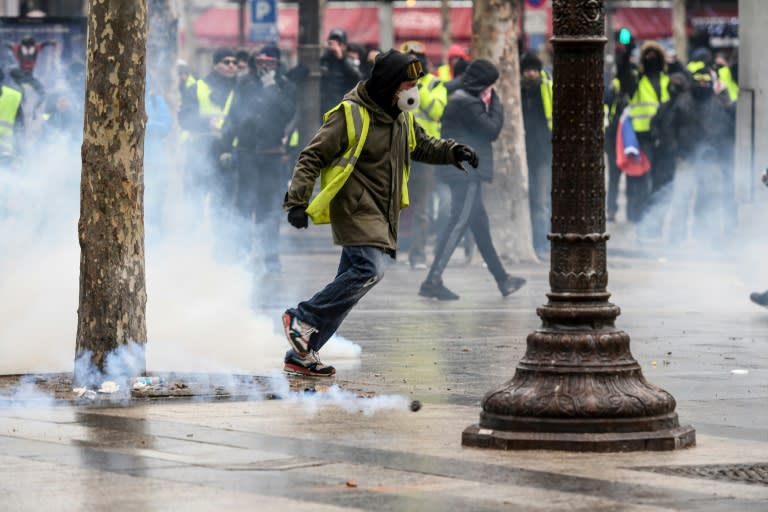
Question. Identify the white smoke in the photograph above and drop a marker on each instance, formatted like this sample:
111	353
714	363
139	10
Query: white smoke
200	313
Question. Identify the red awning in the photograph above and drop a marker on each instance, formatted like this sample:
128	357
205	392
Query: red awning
656	22
218	26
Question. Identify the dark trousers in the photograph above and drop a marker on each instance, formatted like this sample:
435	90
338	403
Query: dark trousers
467	212
540	202
420	195
614	175
639	187
262	182
360	268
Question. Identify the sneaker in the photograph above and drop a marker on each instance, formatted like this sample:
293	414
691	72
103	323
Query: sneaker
436	291
759	298
309	365
298	333
510	284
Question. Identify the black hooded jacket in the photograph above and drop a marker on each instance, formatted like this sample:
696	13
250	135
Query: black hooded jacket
467	119
338	77
259	115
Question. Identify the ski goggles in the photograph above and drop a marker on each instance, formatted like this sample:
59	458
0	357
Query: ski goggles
414	71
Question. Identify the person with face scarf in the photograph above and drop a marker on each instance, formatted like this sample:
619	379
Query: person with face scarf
536	99
701	130
363	188
474	114
646	90
338	72
665	155
263	106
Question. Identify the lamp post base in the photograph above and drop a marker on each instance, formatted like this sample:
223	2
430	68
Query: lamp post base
658	440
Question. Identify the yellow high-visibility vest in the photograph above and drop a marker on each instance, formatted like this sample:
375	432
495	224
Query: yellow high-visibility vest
546	97
726	78
644	103
9	110
333	177
433	97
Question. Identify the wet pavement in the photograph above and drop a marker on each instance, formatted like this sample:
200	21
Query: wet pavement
693	331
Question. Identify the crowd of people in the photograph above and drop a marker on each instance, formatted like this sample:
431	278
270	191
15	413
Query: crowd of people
670	130
401	125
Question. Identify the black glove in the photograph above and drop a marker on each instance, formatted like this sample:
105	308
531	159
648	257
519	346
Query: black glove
298	217
464	153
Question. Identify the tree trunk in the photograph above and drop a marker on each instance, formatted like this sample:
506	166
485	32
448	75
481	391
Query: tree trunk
445	29
679	31
494	37
112	304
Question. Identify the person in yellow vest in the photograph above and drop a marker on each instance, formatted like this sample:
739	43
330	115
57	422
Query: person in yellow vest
11	123
536	100
203	109
432	100
448	70
647	90
725	75
362	154
186	77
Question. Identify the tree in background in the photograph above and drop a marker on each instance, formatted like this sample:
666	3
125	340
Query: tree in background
494	37
112	303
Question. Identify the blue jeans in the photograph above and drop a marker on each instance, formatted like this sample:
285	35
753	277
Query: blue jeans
360	268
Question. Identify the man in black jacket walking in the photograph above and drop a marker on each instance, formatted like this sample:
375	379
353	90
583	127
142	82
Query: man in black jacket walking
473	114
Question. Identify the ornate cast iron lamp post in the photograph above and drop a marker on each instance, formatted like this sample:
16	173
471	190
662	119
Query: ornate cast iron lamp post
578	386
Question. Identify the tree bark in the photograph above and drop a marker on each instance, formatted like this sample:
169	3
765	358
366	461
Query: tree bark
112	303
445	29
679	32
494	37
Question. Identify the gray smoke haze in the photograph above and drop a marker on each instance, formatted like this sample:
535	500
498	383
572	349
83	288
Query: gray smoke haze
199	311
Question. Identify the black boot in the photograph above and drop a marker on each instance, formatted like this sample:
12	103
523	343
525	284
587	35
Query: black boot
510	284
759	298
436	290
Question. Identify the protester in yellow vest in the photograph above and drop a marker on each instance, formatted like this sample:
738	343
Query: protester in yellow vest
203	109
432	100
646	90
455	53
11	123
728	82
536	100
362	193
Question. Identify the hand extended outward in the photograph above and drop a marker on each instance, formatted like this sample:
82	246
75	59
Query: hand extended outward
298	217
464	153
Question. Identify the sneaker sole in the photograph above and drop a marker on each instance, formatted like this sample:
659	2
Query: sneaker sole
295	369
302	351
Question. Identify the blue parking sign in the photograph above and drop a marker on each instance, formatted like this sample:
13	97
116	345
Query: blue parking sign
263	21
263	11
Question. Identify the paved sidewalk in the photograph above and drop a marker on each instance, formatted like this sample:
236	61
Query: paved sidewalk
691	326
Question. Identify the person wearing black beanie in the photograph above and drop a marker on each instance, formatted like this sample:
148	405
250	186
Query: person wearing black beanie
475	114
362	153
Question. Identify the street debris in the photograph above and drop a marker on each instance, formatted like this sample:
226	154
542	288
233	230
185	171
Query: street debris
109	386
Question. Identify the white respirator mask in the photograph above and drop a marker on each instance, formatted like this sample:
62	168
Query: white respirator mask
408	100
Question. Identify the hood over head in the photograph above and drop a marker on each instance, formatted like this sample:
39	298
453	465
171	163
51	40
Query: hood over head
456	50
390	69
650	46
